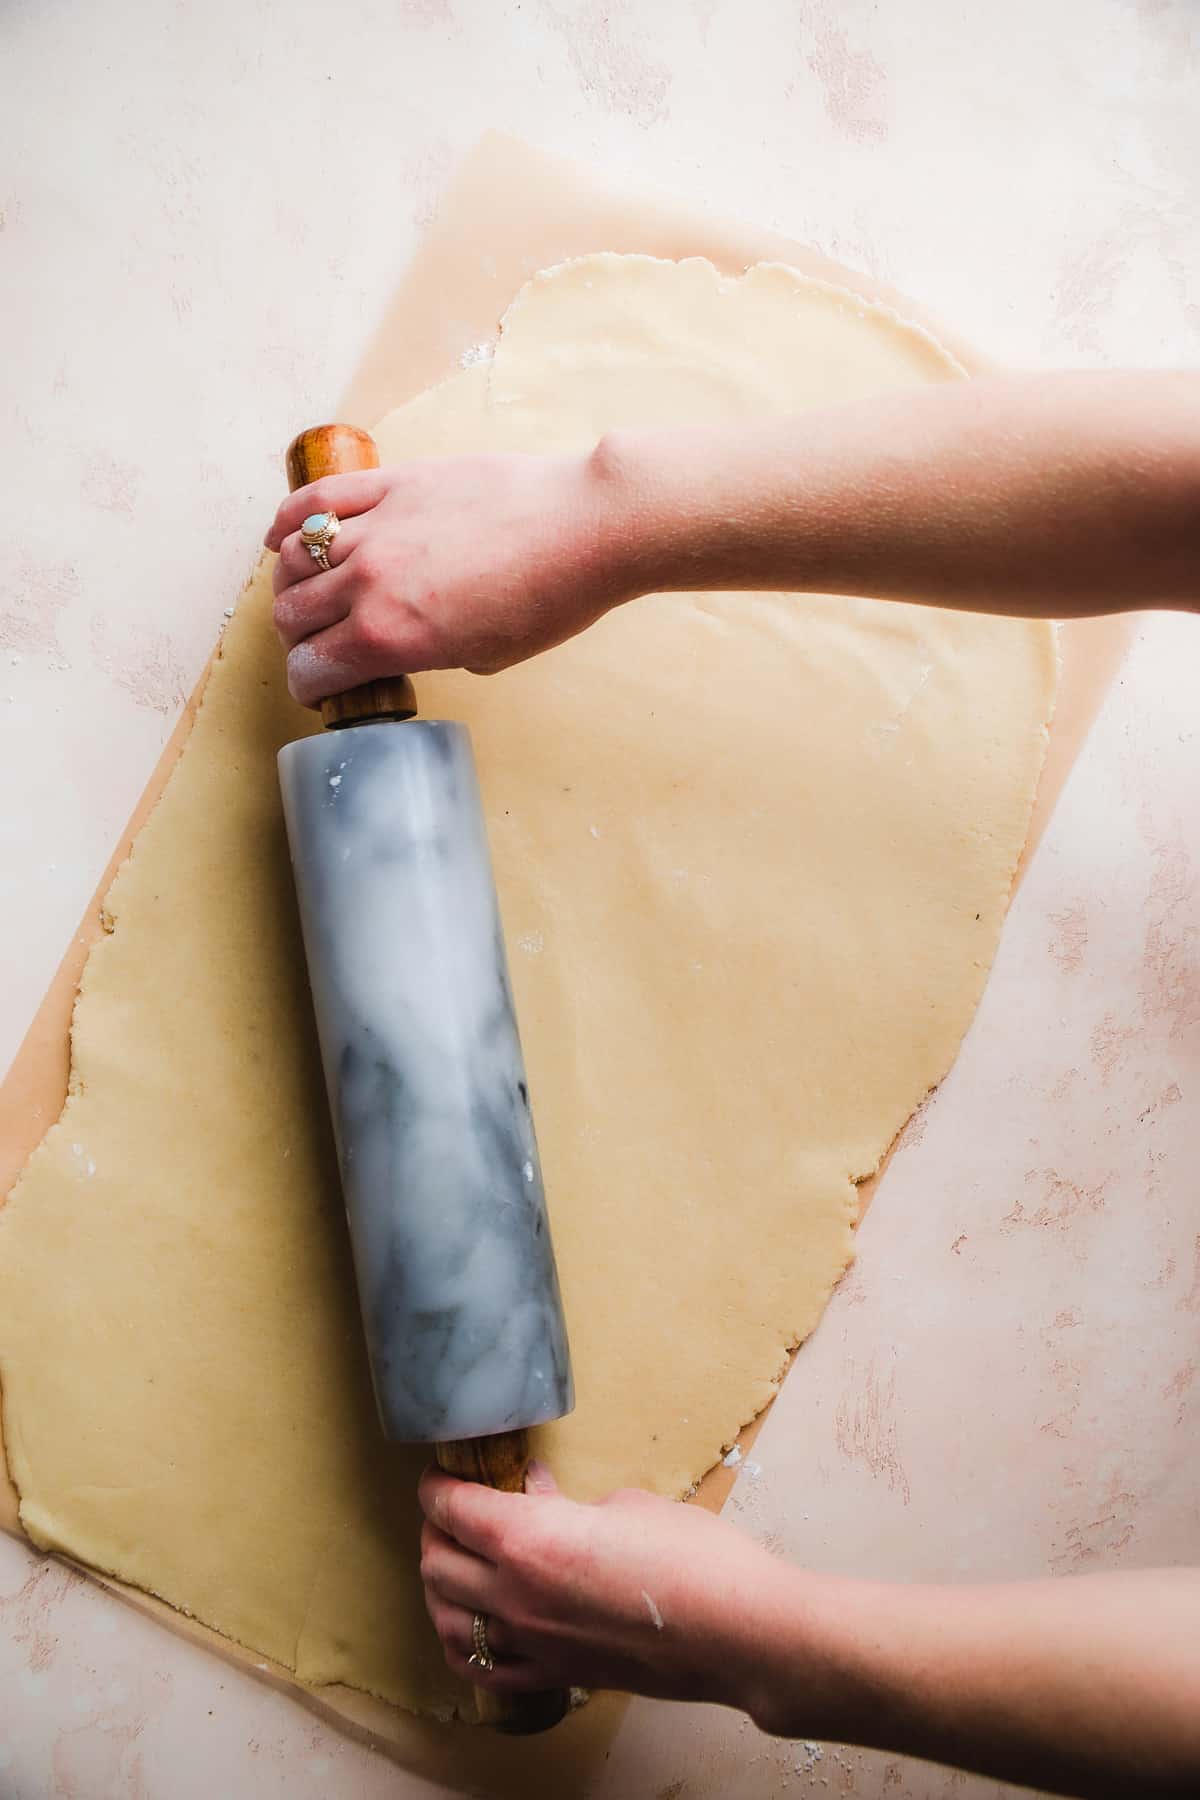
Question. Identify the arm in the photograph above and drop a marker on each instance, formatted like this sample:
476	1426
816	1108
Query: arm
1088	1685
1048	495
1042	495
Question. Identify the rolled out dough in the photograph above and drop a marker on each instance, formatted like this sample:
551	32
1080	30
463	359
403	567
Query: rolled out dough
753	853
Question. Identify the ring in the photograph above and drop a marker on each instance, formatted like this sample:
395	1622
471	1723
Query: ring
481	1656
317	533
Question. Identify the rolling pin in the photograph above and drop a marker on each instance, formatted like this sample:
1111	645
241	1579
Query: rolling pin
423	1068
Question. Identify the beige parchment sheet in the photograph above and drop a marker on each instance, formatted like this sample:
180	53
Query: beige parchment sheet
753	854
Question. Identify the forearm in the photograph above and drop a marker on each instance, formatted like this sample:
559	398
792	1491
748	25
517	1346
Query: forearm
1085	1685
1048	495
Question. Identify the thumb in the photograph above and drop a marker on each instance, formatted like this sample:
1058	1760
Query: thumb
538	1479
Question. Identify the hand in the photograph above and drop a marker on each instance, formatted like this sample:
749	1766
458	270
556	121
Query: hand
636	1593
465	562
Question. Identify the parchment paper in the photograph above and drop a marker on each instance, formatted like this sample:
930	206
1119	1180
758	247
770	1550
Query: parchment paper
510	211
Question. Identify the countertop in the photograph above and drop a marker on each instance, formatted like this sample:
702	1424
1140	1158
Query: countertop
206	210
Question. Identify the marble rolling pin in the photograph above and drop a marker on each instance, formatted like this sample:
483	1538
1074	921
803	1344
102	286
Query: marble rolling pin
426	1084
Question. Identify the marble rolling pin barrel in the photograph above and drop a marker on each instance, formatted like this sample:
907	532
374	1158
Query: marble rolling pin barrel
426	1084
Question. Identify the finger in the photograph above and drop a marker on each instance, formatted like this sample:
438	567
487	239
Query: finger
456	1574
311	606
455	1626
538	1479
435	1542
515	1675
346	495
296	561
512	1673
331	662
475	1517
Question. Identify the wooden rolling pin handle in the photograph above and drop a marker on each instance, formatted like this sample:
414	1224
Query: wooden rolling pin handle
500	1462
338	450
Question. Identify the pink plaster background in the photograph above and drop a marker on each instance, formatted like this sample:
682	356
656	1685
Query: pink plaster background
1008	1381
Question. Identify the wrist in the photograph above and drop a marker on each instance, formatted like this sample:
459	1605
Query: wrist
687	508
808	1668
636	529
764	1649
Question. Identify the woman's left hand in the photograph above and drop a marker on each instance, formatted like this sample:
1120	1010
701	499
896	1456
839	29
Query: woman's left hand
636	1592
470	562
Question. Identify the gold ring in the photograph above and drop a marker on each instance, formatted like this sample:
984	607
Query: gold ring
317	533
481	1657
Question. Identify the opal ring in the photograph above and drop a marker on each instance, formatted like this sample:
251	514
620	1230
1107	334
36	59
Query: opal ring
481	1657
317	533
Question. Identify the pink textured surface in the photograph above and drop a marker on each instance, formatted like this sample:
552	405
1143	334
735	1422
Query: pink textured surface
1007	1383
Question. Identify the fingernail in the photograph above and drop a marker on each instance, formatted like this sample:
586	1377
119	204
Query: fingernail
537	1476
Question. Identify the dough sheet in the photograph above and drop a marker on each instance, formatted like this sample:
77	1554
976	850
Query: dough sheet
753	854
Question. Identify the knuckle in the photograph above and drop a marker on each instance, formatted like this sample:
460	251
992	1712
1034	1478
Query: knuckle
285	571
377	639
368	565
489	1539
432	1567
452	1512
317	498
524	1554
426	643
